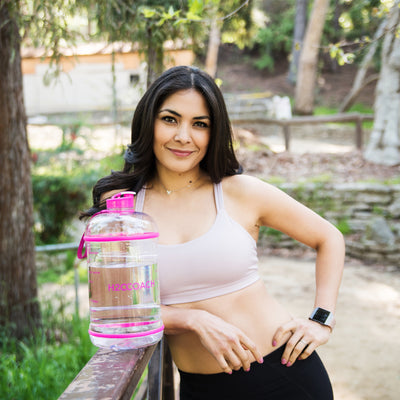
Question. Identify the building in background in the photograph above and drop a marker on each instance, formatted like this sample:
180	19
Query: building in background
86	83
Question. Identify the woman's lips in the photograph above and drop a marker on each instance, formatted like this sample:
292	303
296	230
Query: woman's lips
181	153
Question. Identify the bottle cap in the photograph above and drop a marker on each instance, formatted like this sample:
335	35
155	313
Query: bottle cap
121	201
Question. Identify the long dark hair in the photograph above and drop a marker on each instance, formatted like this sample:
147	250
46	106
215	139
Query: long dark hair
140	165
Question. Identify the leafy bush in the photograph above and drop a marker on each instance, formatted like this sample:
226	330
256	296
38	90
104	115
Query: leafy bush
43	367
62	186
276	37
56	200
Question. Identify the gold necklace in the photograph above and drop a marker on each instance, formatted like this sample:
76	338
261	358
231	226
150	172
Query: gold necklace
169	191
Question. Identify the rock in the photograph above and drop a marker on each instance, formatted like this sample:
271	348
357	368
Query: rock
394	209
379	231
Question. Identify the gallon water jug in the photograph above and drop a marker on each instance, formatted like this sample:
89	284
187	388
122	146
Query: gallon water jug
124	295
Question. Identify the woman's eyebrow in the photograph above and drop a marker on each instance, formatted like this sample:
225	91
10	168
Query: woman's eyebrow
203	117
170	111
179	115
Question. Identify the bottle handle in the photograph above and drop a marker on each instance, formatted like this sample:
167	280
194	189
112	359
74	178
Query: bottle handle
80	248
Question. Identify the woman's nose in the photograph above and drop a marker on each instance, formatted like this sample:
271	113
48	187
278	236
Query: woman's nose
183	134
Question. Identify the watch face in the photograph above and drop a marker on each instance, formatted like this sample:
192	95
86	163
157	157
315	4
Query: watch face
321	315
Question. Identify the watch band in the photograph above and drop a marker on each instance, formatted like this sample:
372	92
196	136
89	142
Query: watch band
323	317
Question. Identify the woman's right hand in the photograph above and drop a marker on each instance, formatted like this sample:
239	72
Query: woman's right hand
227	344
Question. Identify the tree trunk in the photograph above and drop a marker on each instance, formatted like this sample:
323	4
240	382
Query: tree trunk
384	144
358	83
155	57
213	47
18	290
300	24
307	76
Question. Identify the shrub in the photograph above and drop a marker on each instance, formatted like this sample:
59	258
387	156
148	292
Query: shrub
56	200
43	367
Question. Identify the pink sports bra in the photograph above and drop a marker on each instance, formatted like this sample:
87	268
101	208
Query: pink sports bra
221	261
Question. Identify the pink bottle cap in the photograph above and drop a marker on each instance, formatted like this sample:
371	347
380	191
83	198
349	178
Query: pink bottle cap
121	201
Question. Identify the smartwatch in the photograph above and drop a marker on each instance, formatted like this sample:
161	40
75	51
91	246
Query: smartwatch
323	317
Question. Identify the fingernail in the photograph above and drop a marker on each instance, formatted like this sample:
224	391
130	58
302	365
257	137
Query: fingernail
230	372
274	343
289	364
283	361
247	370
261	360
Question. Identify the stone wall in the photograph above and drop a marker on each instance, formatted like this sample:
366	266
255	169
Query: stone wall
368	214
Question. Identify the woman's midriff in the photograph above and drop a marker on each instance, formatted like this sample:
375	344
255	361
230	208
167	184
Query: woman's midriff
251	309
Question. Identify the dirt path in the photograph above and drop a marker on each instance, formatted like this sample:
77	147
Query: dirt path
363	354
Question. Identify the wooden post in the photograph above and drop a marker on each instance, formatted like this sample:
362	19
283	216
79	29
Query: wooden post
359	134
155	375
286	133
168	392
160	377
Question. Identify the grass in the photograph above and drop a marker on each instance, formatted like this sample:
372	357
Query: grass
59	268
356	108
42	367
360	108
62	276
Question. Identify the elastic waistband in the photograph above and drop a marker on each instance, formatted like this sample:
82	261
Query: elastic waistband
272	358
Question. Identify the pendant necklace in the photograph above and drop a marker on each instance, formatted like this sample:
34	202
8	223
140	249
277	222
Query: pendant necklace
169	191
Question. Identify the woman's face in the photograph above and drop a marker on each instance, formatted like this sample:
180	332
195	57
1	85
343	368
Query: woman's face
182	131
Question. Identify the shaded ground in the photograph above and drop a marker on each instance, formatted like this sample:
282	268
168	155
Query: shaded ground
335	167
363	352
314	154
239	75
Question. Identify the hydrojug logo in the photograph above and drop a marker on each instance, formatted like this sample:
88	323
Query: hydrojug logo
117	287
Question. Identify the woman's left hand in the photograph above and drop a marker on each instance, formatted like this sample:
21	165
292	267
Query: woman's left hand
304	337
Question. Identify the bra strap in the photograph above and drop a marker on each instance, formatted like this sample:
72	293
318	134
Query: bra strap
219	196
139	200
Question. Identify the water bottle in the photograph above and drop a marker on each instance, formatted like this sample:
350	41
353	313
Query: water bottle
124	294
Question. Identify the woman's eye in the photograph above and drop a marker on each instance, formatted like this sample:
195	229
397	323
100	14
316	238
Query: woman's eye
168	118
201	124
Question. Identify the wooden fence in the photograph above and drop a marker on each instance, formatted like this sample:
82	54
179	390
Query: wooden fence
115	375
355	118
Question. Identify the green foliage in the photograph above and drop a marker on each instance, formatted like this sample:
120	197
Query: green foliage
343	226
273	234
43	367
347	31
56	200
349	27
276	37
59	268
239	28
149	23
62	181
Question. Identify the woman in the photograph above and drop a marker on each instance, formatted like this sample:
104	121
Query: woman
228	337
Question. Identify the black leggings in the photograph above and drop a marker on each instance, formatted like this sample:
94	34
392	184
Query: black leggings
304	380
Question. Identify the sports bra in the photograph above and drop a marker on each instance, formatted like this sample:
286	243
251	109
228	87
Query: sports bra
221	261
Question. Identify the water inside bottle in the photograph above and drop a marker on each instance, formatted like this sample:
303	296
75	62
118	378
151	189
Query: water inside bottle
123	295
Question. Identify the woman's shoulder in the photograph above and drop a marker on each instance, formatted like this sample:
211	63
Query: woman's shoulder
246	189
242	183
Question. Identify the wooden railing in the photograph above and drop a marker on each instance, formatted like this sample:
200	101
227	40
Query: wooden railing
115	375
356	118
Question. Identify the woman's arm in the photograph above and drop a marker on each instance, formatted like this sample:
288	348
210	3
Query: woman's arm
226	343
273	208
